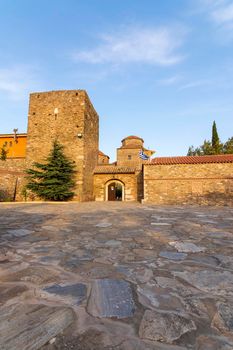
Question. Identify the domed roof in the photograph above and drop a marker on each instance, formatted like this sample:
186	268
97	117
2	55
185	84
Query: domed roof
132	137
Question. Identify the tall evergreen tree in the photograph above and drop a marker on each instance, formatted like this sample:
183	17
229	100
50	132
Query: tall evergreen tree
215	140
212	147
54	179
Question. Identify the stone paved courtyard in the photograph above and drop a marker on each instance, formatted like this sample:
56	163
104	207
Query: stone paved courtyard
97	276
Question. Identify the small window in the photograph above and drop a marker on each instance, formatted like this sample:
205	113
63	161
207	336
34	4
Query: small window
129	157
10	143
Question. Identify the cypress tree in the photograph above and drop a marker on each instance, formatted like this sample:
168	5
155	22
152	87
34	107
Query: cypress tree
54	179
215	140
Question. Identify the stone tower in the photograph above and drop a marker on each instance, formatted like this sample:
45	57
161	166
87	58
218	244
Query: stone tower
69	117
128	153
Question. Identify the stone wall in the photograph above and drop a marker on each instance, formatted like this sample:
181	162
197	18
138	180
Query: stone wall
103	159
69	117
189	184
129	157
130	182
12	178
91	148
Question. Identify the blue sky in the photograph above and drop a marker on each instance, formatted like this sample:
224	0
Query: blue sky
162	70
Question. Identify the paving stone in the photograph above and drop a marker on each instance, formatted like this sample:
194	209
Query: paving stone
212	261
147	296
164	326
104	224
19	233
213	343
173	255
136	274
111	298
113	243
216	282
139	344
195	306
187	247
225	261
10	291
74	262
33	274
29	327
194	286
77	291
223	319
50	228
160	224
176	286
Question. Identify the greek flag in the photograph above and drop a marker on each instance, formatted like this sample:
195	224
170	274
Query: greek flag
143	156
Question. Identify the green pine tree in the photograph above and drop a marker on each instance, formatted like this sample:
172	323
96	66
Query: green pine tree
54	179
207	148
228	146
216	145
194	151
211	147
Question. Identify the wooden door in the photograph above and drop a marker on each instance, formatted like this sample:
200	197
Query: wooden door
112	192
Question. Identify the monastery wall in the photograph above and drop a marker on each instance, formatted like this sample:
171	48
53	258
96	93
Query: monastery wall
12	178
210	184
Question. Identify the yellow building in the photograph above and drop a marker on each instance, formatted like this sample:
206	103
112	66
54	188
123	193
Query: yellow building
14	144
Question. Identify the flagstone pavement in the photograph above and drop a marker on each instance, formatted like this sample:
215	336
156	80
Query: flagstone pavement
102	276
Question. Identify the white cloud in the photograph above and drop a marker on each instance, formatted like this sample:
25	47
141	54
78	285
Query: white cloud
17	81
170	81
158	46
223	14
220	11
196	83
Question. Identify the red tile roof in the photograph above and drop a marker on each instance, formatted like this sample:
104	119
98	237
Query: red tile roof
221	158
112	169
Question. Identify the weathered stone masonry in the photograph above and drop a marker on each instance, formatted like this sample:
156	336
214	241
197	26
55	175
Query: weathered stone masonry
69	117
207	183
12	178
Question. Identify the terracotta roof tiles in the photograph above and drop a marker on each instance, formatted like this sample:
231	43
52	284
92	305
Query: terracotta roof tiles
221	158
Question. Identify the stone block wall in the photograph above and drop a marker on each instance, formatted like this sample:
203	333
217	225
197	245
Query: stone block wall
91	148
69	117
189	184
12	178
103	159
124	160
129	181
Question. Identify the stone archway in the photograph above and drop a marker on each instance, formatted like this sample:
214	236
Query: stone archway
114	190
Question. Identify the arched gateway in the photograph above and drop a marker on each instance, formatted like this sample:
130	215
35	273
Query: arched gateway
114	190
123	179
